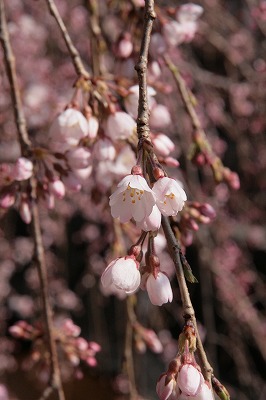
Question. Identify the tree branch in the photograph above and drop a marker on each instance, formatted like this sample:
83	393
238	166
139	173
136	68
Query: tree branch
76	59
188	309
143	129
26	148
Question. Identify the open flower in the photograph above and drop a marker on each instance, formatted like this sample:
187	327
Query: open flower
159	289
170	196
123	273
133	198
152	222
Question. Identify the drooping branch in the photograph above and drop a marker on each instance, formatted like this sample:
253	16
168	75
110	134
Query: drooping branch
188	310
76	59
26	148
141	68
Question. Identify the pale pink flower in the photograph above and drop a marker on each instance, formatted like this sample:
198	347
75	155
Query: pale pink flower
159	117
133	198
159	289
57	188
189	380
152	222
189	12
123	273
173	33
23	169
165	388
125	46
78	158
83	174
170	197
68	128
132	99
163	145
104	150
120	125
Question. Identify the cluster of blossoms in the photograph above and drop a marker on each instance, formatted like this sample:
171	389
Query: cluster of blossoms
183	380
134	199
74	348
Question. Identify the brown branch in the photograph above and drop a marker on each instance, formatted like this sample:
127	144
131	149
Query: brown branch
10	64
76	59
141	68
199	138
26	148
188	310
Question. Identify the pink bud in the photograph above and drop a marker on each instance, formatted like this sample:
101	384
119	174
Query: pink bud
7	200
91	361
120	125
72	182
171	162
159	289
78	158
125	46
22	169
165	387
207	210
104	150
57	188
159	117
189	380
163	145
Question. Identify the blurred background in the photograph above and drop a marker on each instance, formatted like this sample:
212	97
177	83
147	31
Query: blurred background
224	66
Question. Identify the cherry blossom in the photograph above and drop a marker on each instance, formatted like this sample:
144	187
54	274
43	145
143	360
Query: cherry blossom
163	145
120	125
170	197
159	289
22	169
152	222
123	273
68	128
159	116
133	198
165	387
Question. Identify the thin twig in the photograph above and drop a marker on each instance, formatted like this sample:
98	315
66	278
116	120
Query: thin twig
26	148
141	68
77	62
188	309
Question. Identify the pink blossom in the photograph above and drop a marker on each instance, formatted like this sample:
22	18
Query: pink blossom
123	273
69	127
125	46
159	116
189	12
170	197
22	169
133	198
72	182
120	125
152	222
205	393
163	145
82	174
57	188
165	387
78	158
104	150
159	289
7	200
189	380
